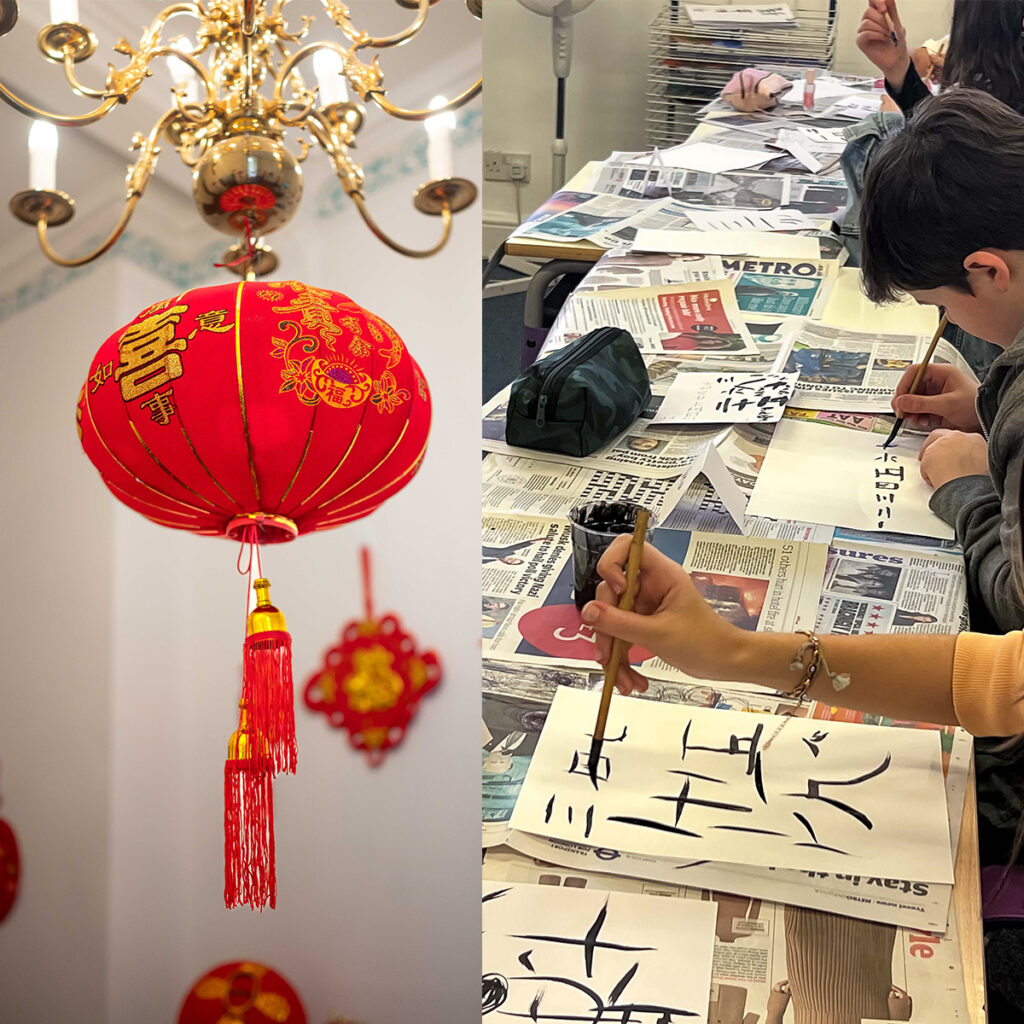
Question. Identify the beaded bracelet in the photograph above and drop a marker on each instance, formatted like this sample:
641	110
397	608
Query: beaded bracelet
840	680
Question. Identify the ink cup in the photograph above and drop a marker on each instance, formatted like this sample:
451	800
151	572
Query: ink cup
594	527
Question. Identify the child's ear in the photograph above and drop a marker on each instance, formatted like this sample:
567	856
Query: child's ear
989	266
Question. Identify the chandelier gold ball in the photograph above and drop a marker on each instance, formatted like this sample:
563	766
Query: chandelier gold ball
8	15
247	176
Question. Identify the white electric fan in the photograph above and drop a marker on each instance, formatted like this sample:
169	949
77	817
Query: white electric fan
560	12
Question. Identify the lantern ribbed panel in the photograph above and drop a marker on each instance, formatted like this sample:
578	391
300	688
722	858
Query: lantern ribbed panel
254	399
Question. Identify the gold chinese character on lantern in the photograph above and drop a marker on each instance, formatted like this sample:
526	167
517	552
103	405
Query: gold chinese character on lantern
101	376
212	320
148	353
162	404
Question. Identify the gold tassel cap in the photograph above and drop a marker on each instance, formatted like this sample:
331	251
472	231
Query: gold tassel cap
264	617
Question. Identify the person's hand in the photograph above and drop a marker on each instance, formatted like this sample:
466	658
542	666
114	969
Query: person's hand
671	619
950	454
875	41
945	398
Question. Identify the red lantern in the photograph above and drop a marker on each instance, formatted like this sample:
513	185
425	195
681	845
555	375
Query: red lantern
257	412
281	406
10	868
246	992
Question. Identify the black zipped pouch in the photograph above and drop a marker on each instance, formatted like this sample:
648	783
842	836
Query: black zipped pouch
578	399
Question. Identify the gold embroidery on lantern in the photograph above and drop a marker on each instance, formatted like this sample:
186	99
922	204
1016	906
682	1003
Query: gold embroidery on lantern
387	395
314	311
374	685
271	1004
101	375
148	351
212	320
162	404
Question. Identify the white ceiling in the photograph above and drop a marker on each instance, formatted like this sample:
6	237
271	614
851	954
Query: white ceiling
443	58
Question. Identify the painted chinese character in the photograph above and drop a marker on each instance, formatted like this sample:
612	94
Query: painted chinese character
212	321
101	376
162	405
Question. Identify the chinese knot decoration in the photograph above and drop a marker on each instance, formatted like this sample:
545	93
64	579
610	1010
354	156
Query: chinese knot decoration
10	869
248	993
255	411
371	682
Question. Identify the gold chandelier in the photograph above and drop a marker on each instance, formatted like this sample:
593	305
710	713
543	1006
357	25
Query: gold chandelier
232	113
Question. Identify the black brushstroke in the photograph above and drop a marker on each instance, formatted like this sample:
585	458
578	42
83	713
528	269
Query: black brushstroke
814	787
626	819
597	1014
494	992
806	824
683	798
569	813
822	846
550	807
743	828
575	761
590	822
535	1005
591	938
695	775
496	894
759	780
524	959
620	987
813	747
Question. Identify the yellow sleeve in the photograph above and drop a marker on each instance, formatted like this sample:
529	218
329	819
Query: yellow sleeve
988	683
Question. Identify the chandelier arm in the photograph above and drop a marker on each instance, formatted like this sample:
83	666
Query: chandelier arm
339	14
126	215
76	85
296	58
421	115
62	120
191	7
171	52
446	216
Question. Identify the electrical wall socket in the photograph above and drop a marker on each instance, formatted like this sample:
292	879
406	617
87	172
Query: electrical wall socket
500	166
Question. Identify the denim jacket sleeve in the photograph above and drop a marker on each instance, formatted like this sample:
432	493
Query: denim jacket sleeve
861	140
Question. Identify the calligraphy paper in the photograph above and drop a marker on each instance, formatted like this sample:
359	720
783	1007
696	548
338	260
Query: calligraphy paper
823	473
558	954
782	219
727	243
727	398
729	786
714	158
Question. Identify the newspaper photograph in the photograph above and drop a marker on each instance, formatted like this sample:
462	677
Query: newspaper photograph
773	961
584	219
843	369
873	588
687	318
530	614
788	288
534	487
560	202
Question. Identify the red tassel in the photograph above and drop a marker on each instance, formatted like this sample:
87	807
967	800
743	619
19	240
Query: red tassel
250	870
268	692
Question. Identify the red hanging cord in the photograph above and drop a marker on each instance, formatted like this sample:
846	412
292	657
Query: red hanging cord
364	557
250	254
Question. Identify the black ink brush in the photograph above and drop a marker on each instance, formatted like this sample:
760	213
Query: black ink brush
636	550
918	377
892	28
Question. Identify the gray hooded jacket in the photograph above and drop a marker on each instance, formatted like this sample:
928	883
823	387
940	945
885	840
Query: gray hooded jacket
986	511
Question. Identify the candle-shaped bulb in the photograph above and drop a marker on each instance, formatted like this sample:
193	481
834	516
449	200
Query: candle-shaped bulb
183	75
327	66
63	10
42	156
439	140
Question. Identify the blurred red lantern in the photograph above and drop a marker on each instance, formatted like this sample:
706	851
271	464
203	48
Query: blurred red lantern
255	411
242	991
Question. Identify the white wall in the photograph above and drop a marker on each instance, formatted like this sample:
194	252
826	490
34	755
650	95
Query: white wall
606	92
122	650
56	553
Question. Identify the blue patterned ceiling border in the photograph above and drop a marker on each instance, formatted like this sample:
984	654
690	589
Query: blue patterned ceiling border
150	253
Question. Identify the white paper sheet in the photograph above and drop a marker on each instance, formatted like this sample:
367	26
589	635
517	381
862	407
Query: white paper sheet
855	107
767	244
714	158
824	89
727	398
824	473
676	781
553	953
753	16
782	219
